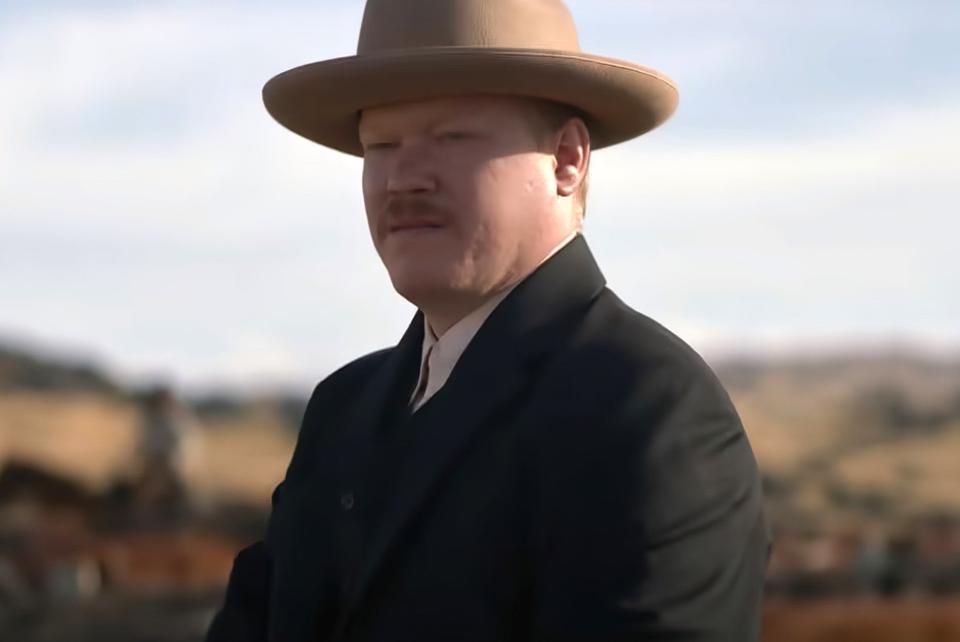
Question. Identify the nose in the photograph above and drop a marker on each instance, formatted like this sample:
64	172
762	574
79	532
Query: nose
411	170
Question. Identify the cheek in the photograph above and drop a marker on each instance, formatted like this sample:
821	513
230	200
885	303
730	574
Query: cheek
512	189
372	186
368	179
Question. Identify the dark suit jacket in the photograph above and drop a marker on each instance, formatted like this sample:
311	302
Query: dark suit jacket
582	476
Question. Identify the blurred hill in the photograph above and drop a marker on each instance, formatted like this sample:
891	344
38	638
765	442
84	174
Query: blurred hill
23	370
857	437
854	437
71	418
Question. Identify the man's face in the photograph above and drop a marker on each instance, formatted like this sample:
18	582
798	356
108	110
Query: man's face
459	196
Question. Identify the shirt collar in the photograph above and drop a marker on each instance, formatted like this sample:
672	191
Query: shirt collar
445	351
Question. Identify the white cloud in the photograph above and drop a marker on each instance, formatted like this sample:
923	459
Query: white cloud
837	236
222	245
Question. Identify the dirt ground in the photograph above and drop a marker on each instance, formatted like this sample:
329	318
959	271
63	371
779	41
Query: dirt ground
185	618
867	620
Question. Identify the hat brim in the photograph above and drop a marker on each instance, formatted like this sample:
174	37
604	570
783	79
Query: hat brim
322	101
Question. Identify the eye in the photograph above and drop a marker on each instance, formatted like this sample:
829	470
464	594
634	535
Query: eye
379	146
454	135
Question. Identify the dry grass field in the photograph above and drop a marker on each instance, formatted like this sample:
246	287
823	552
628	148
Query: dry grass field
88	437
93	440
877	425
882	427
242	459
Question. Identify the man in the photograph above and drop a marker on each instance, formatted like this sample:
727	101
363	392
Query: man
534	460
168	443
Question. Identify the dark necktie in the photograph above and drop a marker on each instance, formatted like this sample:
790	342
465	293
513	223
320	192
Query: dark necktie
425	377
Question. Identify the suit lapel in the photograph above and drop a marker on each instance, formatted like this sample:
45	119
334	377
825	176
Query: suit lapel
498	365
382	393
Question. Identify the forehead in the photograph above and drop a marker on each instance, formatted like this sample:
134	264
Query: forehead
426	113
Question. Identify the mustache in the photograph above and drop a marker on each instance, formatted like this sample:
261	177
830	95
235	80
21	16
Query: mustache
412	210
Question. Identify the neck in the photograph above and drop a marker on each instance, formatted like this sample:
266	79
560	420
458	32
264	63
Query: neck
442	318
447	312
440	325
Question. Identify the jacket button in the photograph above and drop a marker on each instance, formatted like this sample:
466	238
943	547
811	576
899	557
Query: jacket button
347	500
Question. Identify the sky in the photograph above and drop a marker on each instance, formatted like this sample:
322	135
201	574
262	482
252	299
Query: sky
154	219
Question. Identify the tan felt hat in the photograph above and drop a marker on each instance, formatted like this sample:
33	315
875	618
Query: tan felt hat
418	49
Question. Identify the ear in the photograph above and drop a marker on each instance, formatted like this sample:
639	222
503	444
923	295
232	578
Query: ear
571	156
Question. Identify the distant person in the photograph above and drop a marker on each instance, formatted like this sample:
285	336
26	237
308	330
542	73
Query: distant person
534	460
167	439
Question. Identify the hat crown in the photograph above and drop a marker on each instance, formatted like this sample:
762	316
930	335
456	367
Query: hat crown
514	24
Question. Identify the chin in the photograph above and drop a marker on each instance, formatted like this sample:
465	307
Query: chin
417	285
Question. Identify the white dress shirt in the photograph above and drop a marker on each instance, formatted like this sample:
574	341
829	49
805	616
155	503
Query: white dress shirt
440	354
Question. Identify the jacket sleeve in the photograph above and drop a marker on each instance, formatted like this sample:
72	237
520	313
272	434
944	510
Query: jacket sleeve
649	524
244	615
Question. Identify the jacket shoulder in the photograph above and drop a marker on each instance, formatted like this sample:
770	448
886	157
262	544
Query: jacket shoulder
327	401
350	375
643	466
629	353
339	386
